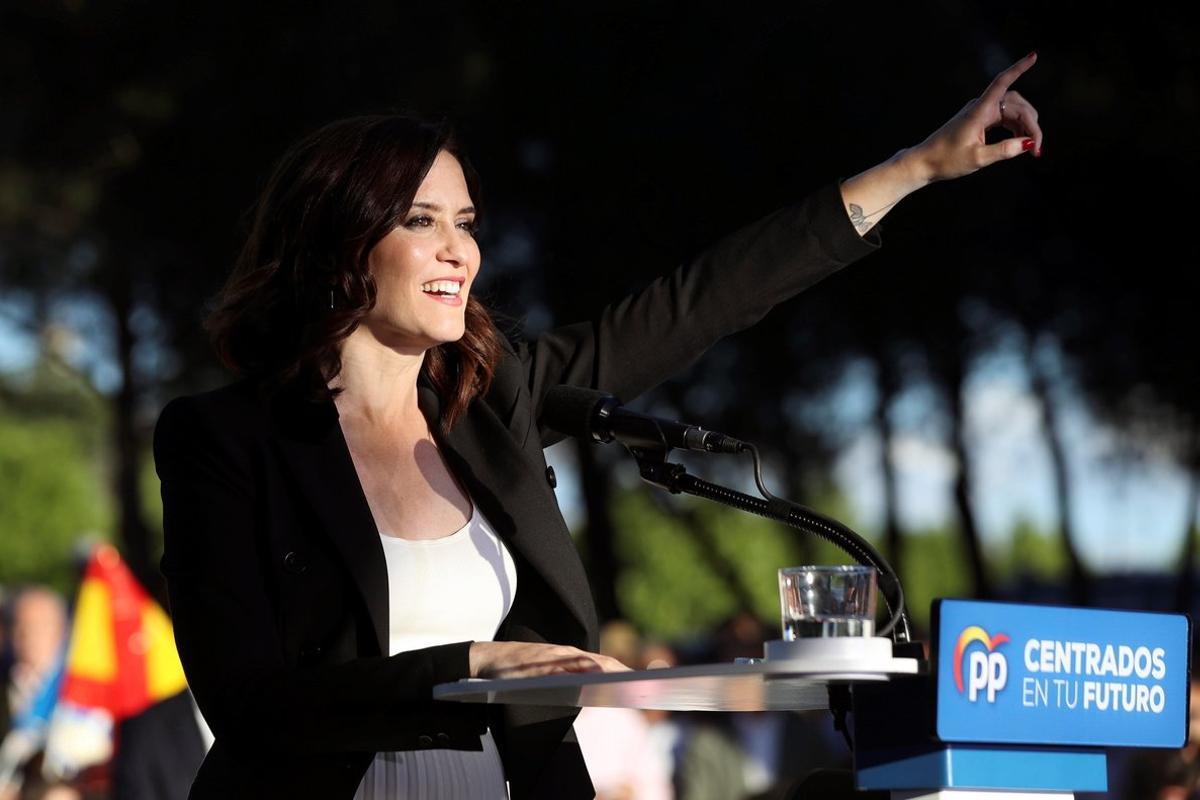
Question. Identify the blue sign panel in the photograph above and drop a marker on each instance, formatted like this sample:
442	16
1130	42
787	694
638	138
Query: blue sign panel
1021	674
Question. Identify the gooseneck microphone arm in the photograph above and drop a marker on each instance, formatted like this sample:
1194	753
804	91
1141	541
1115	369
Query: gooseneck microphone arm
656	470
599	417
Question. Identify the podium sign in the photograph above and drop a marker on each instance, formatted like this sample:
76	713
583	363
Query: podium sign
1021	674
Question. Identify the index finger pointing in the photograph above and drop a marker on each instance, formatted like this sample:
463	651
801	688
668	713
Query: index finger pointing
1001	82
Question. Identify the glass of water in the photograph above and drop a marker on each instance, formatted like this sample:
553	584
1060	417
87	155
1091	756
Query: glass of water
827	601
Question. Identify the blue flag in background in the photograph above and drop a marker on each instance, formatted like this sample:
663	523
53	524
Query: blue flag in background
37	715
30	727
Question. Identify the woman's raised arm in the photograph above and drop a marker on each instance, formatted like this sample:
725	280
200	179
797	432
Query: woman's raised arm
639	341
956	149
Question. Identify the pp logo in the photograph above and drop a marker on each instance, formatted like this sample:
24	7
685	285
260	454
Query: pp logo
987	669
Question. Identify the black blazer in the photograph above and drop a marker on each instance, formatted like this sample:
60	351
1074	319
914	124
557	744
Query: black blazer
276	575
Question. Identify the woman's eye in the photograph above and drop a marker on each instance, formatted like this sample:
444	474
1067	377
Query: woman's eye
468	225
419	222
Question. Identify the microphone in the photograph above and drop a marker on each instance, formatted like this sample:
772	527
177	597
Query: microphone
589	414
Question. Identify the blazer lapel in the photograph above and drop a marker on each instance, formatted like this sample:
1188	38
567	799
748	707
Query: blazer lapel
481	454
315	452
517	502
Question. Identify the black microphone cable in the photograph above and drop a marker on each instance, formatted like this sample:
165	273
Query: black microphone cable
849	541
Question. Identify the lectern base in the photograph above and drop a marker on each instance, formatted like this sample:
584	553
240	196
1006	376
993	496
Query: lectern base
966	794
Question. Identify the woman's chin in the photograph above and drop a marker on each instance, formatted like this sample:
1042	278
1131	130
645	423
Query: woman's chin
439	338
452	336
413	341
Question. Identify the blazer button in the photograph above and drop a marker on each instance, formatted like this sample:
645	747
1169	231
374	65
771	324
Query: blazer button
551	478
310	653
425	741
293	563
443	739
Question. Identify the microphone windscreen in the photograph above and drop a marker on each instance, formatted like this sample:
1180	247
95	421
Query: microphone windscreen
571	410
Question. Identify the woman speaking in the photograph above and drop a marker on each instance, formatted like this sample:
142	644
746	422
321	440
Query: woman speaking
367	513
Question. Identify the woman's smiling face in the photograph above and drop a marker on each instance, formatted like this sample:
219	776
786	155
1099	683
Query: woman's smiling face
423	269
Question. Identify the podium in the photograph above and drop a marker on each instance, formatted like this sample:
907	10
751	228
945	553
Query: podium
1016	702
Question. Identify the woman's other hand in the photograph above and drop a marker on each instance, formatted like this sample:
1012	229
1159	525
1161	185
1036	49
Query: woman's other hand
529	659
959	147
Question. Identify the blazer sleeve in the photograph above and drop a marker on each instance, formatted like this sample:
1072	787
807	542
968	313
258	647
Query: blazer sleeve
224	620
638	342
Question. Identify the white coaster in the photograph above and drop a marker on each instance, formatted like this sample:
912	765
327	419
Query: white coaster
833	653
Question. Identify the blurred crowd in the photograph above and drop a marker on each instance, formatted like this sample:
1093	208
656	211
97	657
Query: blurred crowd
154	754
659	755
33	635
632	755
1167	774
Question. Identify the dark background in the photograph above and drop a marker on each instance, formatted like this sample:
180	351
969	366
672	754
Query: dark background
614	140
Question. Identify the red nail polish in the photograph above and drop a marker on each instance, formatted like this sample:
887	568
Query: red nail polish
1032	53
1037	153
1027	144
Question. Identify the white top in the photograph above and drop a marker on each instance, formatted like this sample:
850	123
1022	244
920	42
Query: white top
453	589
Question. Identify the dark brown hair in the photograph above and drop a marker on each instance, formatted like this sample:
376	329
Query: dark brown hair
302	284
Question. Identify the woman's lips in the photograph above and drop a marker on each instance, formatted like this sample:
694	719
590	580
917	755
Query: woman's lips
445	299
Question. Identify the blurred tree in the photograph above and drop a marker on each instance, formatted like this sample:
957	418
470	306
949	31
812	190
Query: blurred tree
930	551
52	486
132	139
692	564
1032	554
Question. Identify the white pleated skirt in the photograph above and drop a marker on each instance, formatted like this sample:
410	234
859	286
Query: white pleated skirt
436	775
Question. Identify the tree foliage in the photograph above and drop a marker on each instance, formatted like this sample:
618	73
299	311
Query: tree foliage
614	143
53	496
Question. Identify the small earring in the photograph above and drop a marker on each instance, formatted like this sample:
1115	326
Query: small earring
331	298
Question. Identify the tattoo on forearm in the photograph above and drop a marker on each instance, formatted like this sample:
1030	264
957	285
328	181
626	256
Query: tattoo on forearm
863	222
858	219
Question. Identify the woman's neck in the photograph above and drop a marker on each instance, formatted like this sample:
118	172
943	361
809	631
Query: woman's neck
378	382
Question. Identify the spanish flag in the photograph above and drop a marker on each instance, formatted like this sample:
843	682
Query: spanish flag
121	659
122	656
